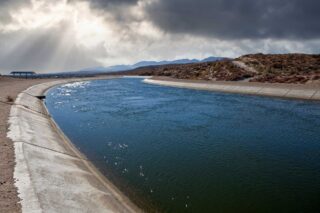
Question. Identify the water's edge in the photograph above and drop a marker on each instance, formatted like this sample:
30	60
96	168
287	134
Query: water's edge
289	92
157	123
48	163
30	191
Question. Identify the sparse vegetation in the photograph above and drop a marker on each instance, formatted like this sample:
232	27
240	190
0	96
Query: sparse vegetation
285	68
9	99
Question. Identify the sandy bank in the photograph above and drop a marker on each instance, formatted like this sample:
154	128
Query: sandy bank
51	174
307	92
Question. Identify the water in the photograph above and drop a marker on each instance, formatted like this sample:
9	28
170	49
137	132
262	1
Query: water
181	150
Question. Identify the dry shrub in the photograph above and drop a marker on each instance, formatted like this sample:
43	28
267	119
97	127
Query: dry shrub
10	99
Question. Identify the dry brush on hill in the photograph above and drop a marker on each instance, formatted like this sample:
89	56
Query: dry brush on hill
272	68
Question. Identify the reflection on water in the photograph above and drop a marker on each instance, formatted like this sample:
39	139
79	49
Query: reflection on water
196	151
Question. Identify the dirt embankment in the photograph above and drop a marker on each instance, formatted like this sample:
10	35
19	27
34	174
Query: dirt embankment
285	68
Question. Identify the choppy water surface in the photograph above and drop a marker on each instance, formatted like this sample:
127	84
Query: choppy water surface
195	151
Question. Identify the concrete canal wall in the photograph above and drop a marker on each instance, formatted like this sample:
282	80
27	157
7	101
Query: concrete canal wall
51	174
281	91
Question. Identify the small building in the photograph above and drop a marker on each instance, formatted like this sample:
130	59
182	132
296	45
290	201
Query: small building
22	74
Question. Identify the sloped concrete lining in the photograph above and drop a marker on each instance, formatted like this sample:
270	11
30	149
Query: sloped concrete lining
136	76
280	92
24	125
51	174
287	91
316	96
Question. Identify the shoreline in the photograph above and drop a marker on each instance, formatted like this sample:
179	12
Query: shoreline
288	91
84	189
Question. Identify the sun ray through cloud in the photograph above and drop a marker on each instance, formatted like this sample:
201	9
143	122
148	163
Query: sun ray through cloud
112	32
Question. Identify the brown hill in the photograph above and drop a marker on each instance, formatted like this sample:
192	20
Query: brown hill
273	68
286	68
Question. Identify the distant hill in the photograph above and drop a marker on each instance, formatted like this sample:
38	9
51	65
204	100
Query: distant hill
117	68
272	68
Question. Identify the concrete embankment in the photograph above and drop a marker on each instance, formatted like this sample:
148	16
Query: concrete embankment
51	174
306	92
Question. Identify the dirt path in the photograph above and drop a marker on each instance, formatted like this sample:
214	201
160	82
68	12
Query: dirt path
9	201
242	65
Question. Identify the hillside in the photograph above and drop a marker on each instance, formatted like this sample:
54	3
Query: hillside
272	68
116	68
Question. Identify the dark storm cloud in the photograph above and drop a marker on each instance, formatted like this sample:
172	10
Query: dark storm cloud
102	4
118	8
191	30
239	19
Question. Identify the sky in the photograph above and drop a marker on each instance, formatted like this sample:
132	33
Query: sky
66	35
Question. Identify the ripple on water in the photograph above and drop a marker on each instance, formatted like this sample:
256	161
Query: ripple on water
186	150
